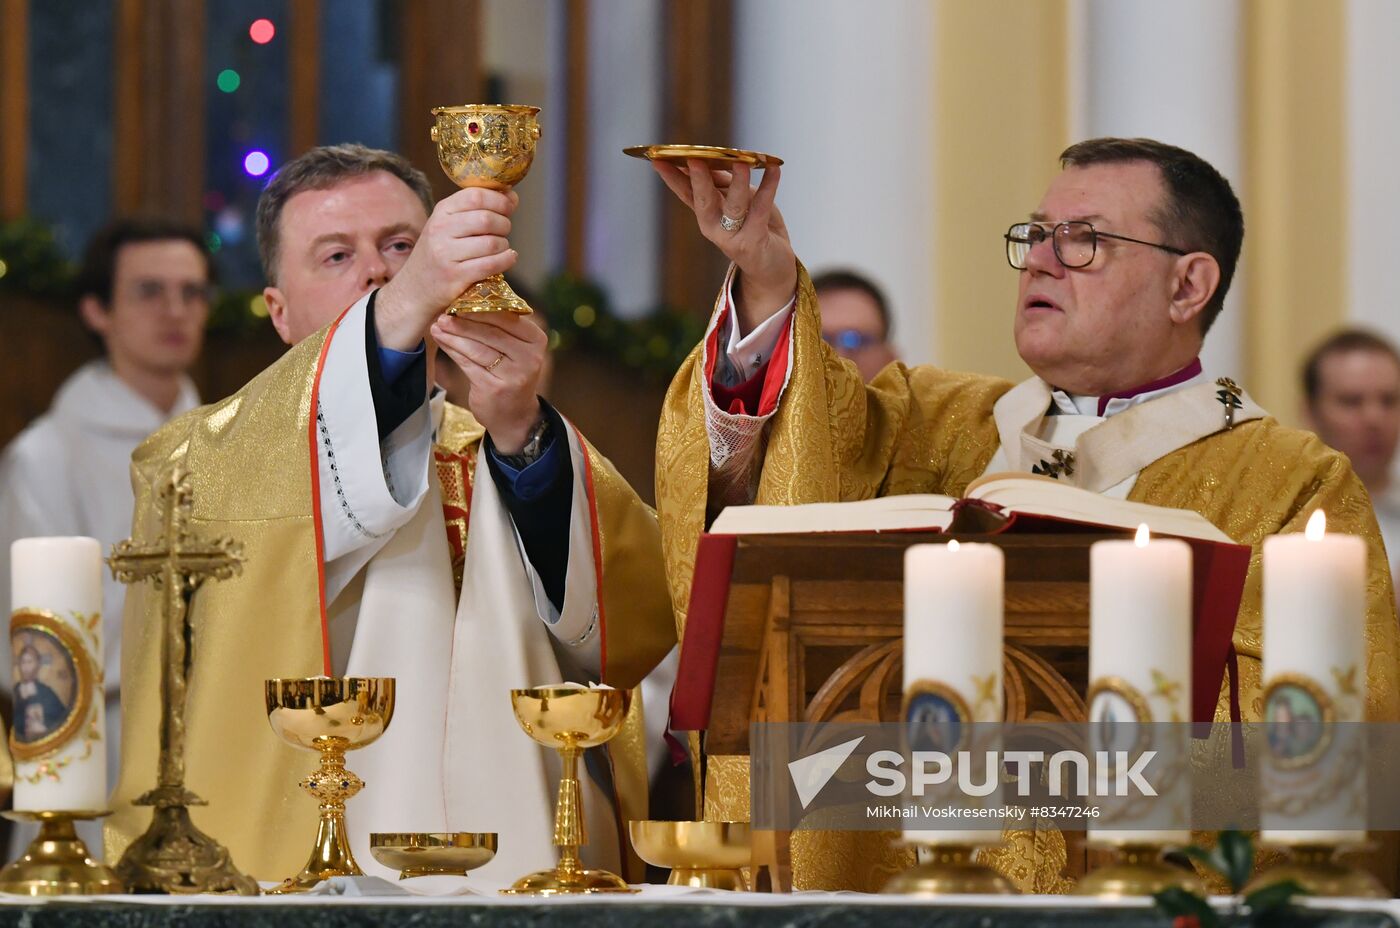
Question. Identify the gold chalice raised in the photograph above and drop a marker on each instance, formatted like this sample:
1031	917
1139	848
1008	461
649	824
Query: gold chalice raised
569	719
704	854
487	145
331	715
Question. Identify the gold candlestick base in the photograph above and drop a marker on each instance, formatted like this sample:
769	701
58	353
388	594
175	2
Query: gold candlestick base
57	862
332	716
569	719
707	855
951	872
1138	870
1315	868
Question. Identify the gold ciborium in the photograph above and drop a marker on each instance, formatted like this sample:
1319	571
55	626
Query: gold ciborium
703	854
569	719
331	715
416	854
487	145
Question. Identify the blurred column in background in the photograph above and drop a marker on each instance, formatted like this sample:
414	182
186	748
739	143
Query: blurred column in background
1127	79
841	91
1373	137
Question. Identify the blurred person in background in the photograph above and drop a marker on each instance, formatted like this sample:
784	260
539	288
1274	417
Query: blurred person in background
1352	385
855	319
144	292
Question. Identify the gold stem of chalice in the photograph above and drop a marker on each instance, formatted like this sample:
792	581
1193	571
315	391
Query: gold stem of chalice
1317	870
487	145
952	870
57	862
1138	870
569	720
331	716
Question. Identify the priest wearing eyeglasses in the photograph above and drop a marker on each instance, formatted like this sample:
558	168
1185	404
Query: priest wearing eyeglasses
1124	265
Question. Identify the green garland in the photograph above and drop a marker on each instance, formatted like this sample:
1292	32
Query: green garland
579	313
31	262
580	316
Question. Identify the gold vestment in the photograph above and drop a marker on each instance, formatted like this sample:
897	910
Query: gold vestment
250	463
926	430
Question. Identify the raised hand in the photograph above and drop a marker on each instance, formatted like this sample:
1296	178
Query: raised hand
502	355
745	224
464	241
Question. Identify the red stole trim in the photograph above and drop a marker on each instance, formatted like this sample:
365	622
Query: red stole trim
314	448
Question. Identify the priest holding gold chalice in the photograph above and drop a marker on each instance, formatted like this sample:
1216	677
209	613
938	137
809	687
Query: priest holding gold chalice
387	533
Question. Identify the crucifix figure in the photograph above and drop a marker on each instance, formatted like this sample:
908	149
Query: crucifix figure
173	856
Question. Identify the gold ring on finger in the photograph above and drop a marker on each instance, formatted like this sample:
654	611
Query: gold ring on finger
500	356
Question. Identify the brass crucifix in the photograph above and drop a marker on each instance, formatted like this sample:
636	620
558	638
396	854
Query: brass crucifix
173	856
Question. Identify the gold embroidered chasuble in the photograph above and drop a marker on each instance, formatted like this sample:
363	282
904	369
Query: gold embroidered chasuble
925	430
251	463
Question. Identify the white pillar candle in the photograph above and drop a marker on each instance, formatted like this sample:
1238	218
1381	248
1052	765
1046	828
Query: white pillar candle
56	651
953	654
1140	669
1315	670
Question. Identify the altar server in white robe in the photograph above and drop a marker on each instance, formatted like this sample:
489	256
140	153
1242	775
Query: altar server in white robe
144	291
388	532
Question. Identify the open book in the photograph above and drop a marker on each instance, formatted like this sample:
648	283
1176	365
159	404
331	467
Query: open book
1008	493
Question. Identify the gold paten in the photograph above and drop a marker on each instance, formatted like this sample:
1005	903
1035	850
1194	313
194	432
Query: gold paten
428	854
703	854
1317	870
683	153
952	871
487	145
569	719
1138	870
331	715
57	862
173	856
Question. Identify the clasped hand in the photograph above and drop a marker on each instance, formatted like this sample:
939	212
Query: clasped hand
465	241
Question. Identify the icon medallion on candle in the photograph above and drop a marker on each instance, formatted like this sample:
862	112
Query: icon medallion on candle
54	677
492	146
330	715
935	717
1118	716
569	719
1298	719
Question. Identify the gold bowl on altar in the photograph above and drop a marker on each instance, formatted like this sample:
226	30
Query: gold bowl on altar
330	715
703	854
416	854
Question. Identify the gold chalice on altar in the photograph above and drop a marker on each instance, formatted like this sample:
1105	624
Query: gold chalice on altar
416	854
331	715
569	719
703	854
487	145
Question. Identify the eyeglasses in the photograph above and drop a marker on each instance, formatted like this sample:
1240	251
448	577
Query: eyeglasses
850	339
1075	242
